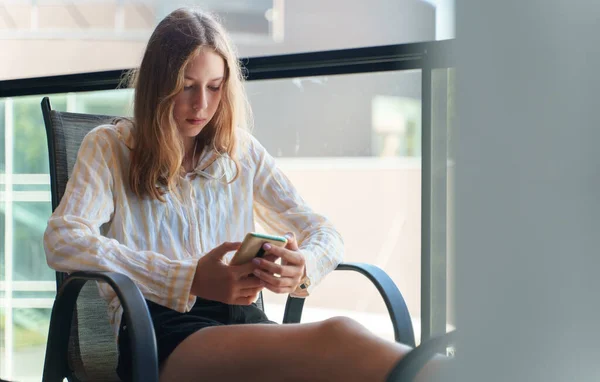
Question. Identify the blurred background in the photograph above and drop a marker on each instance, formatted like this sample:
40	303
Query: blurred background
350	143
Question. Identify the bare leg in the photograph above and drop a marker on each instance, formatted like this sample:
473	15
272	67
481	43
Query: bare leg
338	349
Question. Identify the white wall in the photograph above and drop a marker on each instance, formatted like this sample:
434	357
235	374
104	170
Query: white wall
528	190
444	19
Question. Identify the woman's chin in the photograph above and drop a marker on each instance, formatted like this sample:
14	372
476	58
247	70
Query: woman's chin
191	131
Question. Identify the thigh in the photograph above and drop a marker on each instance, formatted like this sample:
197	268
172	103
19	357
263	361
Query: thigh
246	352
336	349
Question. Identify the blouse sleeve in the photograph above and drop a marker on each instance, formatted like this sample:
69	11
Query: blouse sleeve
73	239
279	208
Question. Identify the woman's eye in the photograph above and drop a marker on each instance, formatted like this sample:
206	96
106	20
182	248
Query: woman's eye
211	88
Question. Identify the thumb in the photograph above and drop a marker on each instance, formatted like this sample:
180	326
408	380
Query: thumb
292	244
220	251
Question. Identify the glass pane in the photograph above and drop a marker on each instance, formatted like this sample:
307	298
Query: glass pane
27	284
351	145
3	354
115	102
29	223
30	331
96	35
361	115
30	152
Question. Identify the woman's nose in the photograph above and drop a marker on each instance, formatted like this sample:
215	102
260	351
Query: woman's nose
200	101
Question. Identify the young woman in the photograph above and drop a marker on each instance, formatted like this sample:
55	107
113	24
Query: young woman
165	198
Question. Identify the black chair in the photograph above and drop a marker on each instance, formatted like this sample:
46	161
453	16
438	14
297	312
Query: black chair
408	367
81	344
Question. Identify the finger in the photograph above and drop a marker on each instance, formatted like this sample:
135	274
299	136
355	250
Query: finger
250	282
224	248
243	270
279	289
292	243
278	269
271	258
291	257
274	280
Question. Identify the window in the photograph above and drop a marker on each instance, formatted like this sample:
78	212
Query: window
351	143
328	134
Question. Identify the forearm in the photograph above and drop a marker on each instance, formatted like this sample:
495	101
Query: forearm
70	246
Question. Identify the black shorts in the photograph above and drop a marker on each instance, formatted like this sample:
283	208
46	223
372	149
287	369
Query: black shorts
172	327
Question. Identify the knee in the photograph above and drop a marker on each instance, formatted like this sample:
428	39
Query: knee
340	327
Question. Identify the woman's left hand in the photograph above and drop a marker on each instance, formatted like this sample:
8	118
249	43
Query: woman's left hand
291	270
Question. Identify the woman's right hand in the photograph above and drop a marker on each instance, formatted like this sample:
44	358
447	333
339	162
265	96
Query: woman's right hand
231	284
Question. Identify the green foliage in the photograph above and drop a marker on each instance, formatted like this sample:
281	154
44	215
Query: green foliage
30	153
24	337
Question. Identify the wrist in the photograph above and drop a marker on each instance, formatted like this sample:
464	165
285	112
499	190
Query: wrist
304	281
194	288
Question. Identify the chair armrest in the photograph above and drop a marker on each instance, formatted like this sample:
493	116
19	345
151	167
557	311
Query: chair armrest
403	329
135	311
409	366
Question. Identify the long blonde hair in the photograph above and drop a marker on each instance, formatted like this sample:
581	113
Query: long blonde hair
158	153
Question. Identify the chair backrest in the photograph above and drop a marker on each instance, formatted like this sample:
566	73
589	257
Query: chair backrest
92	348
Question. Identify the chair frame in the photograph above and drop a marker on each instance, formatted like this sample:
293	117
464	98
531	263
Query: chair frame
135	310
411	364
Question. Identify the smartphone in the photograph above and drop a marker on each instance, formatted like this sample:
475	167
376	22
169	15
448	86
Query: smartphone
252	247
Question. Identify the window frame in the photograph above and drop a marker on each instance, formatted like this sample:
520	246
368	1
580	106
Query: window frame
424	56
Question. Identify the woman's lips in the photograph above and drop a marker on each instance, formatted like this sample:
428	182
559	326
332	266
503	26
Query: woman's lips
194	121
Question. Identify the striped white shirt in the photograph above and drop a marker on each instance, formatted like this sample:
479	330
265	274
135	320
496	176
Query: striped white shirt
100	225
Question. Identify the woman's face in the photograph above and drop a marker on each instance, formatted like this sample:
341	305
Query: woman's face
197	103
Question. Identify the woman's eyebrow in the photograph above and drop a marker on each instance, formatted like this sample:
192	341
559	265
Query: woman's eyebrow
194	79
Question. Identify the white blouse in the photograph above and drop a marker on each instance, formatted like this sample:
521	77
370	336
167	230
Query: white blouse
100	225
